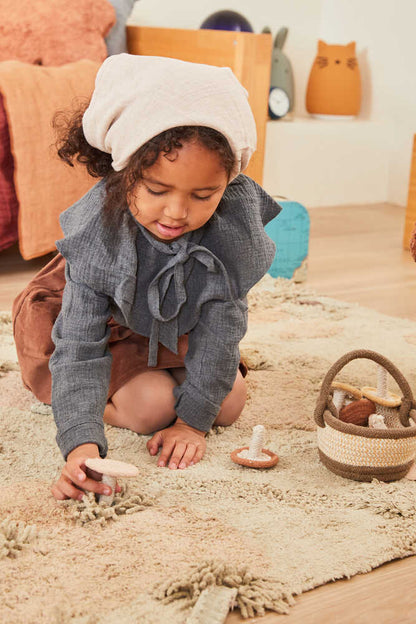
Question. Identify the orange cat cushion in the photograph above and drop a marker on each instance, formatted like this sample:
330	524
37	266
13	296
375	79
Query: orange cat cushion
54	32
334	85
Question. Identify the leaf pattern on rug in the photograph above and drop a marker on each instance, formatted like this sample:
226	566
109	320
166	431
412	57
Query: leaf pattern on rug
15	537
5	322
256	359
8	366
41	408
89	510
390	500
255	594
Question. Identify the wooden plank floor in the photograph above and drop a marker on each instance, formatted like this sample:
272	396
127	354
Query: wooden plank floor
15	273
355	255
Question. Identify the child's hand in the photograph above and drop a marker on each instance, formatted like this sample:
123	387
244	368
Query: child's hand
182	445
76	477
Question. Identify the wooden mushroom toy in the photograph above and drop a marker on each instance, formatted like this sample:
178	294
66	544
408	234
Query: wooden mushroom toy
380	395
111	470
376	421
255	456
342	391
386	402
357	412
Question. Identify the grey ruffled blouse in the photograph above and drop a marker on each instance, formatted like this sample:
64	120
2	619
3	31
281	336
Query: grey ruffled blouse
195	285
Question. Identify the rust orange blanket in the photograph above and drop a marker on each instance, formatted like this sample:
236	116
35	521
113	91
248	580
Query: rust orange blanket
45	186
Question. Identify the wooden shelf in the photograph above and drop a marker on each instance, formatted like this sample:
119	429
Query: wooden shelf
247	54
410	218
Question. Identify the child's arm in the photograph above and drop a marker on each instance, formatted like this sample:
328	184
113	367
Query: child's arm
80	367
211	368
211	362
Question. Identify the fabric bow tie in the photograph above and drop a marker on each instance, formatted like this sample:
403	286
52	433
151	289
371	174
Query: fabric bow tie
174	270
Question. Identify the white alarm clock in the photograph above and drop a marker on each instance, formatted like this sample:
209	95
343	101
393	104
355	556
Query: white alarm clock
279	103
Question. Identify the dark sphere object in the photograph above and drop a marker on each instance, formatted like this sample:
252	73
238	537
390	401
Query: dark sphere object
227	20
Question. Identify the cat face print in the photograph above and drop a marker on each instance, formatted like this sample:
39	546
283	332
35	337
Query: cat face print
334	86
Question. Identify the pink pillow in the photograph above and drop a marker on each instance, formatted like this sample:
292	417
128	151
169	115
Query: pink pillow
54	32
9	206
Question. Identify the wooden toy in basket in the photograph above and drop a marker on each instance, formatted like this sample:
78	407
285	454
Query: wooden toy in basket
383	445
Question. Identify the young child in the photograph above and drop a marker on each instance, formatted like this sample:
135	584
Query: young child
150	283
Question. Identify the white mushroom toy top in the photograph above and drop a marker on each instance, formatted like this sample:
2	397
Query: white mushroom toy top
111	469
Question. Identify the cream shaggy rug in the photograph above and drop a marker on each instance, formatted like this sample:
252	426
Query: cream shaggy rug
273	534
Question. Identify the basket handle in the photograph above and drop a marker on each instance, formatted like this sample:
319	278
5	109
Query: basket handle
408	405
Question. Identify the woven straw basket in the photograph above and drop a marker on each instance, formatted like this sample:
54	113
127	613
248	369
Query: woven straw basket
362	453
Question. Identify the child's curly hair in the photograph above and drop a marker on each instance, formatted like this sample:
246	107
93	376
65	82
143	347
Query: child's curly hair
72	146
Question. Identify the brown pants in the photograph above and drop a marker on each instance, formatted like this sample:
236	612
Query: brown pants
34	314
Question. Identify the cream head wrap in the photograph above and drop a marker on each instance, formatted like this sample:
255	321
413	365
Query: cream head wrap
138	97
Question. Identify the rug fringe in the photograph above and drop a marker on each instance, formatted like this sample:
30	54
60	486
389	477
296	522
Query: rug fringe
255	594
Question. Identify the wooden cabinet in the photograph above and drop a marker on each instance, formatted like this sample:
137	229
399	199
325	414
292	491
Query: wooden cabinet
411	200
247	54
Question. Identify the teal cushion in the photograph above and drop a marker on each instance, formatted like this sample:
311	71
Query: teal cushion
290	231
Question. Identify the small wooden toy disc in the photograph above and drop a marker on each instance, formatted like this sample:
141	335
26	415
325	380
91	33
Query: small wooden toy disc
351	390
254	463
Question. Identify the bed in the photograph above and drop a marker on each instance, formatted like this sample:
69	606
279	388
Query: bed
50	51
